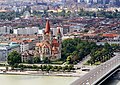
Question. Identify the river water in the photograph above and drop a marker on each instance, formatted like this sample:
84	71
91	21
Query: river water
113	80
44	80
35	80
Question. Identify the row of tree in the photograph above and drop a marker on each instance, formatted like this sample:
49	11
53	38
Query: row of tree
116	47
101	13
9	15
46	60
74	50
102	54
14	58
107	14
81	12
45	68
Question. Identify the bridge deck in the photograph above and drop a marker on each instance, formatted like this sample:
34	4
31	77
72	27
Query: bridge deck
99	72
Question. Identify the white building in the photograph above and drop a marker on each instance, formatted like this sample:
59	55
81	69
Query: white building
24	47
6	48
54	30
5	30
40	31
25	44
78	1
86	1
76	28
27	56
95	1
26	30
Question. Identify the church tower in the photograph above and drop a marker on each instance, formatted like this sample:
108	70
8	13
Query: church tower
50	47
47	28
59	36
47	33
59	40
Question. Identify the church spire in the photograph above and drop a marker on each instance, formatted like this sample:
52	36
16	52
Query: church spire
59	32
47	28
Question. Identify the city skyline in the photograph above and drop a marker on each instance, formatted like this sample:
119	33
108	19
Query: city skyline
60	42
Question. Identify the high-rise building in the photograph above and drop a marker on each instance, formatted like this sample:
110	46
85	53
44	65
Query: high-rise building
112	2
91	1
105	1
86	1
81	0
95	1
75	0
117	2
63	1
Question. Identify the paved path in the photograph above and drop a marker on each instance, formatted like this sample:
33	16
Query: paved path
81	63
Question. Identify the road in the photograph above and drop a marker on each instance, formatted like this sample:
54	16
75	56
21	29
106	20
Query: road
81	63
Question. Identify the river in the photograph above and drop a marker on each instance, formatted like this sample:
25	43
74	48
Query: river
35	80
113	80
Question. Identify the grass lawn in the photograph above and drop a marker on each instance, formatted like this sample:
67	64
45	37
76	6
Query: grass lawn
96	63
57	62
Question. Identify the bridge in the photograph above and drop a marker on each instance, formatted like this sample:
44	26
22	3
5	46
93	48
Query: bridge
100	73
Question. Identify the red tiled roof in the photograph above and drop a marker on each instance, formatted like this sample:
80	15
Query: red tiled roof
55	43
47	29
54	50
58	32
110	35
39	44
45	46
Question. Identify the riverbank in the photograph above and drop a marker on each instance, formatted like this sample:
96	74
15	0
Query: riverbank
41	73
72	73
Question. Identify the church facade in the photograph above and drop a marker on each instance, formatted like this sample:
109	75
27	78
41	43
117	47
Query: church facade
50	45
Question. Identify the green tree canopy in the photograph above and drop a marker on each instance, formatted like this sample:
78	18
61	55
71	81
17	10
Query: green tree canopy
36	59
13	58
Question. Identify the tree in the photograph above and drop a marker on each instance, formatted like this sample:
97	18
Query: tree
36	59
55	67
69	59
62	13
44	67
52	69
13	58
41	67
71	67
35	67
59	68
30	61
48	68
46	60
74	50
101	54
63	68
68	14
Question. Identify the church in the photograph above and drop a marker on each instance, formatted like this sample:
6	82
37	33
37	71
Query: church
50	45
